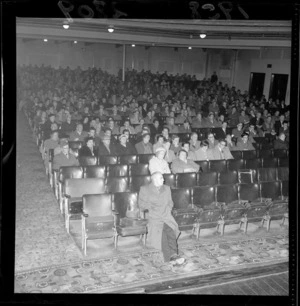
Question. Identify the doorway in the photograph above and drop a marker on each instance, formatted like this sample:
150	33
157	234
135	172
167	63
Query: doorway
256	86
278	86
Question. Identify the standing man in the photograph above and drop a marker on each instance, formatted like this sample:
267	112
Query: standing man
163	230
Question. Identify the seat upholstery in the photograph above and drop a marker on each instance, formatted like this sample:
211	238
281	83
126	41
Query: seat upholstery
128	159
217	165
207	178
285	188
283	162
139	169
170	179
186	180
144	158
203	196
247	176
181	197
235	164
237	154
117	170
95	172
270	162
249	192
97	218
227	193
139	180
249	154
280	153
87	160
283	173
271	190
108	159
267	174
253	163
117	184
228	177
204	165
265	153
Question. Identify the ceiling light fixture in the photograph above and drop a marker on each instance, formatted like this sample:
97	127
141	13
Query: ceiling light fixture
75	41
190	48
110	29
202	35
66	26
133	45
45	39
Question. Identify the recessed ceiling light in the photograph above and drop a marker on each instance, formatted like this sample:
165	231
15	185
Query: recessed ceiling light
133	45
45	39
110	29
66	26
75	41
190	48
202	35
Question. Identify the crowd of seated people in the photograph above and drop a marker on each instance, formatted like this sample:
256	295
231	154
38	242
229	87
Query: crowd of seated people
146	114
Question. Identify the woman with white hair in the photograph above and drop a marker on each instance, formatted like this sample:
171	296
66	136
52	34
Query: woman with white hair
158	163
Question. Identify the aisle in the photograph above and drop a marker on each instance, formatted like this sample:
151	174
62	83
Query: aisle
41	239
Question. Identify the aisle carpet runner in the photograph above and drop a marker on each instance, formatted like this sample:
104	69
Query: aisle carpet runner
138	269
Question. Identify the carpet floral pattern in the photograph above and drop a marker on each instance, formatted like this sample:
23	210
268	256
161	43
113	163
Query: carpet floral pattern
130	270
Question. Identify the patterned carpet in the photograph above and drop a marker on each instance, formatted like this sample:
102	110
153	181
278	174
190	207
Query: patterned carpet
131	270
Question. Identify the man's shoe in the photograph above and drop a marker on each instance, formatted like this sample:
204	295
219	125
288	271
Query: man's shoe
180	261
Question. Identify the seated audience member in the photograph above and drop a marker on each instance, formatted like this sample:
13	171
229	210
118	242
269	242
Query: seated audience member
268	125
163	230
78	134
46	127
258	122
212	142
113	126
135	117
106	147
170	155
139	136
99	133
285	129
149	117
202	152
220	151
124	147
191	154
181	117
115	114
230	143
144	146
176	145
51	143
233	117
181	164
130	141
222	131
101	113
194	142
173	129
68	126
155	128
88	149
253	132
185	128
280	142
65	157
158	163
211	121
138	129
127	126
198	122
278	121
165	132
86	123
238	131
243	118
159	142
244	143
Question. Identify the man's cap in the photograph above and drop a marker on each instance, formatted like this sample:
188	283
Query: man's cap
160	149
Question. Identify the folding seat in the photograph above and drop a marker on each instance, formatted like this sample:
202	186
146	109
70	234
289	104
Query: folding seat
227	194
237	154
228	177
285	189
97	220
139	180
144	158
283	162
217	165
260	140
253	163
87	161
117	184
128	159
207	178
265	153
170	179
271	190
181	197
247	176
283	173
280	153
266	174
266	146
203	196
66	172
94	172
270	162
249	154
235	164
256	145
249	192
184	137
117	170
72	194
139	169
73	145
128	221
204	164
108	160
186	180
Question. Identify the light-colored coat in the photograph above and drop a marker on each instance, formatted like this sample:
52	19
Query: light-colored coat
159	204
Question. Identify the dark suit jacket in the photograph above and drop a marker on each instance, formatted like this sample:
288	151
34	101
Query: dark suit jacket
220	133
85	151
129	149
61	160
102	150
140	148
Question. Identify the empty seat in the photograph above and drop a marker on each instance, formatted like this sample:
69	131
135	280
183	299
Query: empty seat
217	165
266	174
117	184
283	173
253	163
247	176
170	179
235	164
266	146
237	154
271	190
270	162
207	178
117	170
97	218
181	197
249	192
285	188
203	196
203	165
227	193
87	160
95	172
228	177
280	153
108	159
144	158
265	153
283	162
186	180
139	180
249	154
128	159
139	169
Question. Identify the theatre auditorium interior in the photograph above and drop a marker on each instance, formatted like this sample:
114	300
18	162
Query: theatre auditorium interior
108	109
